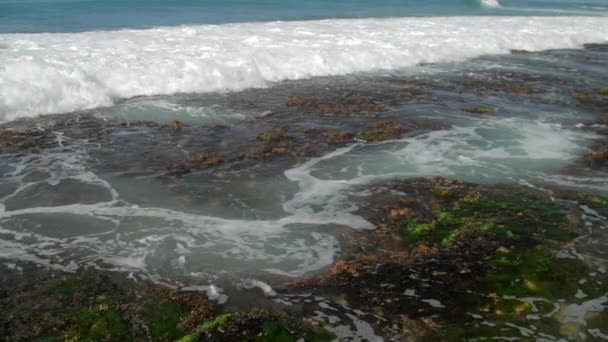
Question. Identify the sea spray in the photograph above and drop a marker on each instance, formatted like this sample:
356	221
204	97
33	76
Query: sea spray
55	73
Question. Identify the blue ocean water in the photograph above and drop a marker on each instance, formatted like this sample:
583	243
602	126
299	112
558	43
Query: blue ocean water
29	16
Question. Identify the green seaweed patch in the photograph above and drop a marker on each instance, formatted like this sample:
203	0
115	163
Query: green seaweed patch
446	333
276	331
533	273
582	98
175	314
189	338
217	323
100	323
479	110
514	216
601	91
260	326
511	217
163	319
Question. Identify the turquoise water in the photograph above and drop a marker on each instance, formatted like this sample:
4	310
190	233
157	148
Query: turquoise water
90	15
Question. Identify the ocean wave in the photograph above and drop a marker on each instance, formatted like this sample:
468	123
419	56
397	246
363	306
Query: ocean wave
489	3
62	72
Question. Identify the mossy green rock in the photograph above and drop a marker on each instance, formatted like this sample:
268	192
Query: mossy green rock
601	91
479	110
506	217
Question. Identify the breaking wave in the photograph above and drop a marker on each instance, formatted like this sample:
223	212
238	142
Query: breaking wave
62	72
489	3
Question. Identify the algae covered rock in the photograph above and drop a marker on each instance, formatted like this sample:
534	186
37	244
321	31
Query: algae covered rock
479	110
468	250
95	306
348	104
257	325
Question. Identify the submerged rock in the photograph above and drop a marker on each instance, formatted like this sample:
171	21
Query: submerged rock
385	130
344	105
479	110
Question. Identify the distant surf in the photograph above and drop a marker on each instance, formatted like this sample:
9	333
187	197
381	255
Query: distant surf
489	3
63	72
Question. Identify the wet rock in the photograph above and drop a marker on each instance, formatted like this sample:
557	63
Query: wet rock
523	90
206	160
12	141
597	158
257	325
414	90
276	142
91	305
464	247
176	125
139	123
276	135
384	130
338	138
344	105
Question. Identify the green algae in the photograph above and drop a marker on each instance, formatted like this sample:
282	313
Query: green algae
258	326
217	323
601	91
101	323
582	98
507	217
446	333
163	320
189	338
534	273
276	332
479	110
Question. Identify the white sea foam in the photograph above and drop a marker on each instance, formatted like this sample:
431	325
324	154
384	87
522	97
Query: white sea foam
53	73
123	233
489	3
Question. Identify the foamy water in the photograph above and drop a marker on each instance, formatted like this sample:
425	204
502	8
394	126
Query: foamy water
56	73
489	3
130	232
